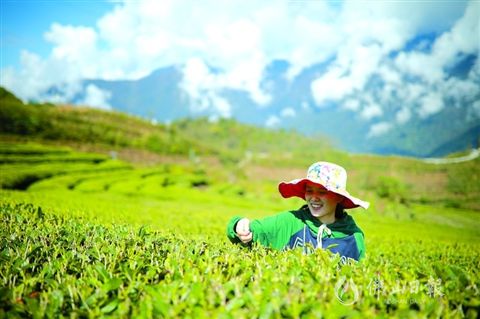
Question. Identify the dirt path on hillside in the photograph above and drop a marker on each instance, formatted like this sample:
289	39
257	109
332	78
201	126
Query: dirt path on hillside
473	155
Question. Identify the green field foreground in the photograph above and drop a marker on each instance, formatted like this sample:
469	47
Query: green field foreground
85	235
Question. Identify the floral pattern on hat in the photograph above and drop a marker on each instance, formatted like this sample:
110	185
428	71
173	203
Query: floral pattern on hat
331	176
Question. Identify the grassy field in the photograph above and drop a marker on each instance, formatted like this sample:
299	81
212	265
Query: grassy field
88	235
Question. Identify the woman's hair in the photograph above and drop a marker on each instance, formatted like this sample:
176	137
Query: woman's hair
339	211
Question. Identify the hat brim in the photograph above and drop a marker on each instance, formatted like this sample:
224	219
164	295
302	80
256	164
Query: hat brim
296	188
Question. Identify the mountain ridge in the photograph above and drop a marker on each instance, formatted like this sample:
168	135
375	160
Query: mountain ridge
159	96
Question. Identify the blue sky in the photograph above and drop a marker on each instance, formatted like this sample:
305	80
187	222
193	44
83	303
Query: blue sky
408	45
23	23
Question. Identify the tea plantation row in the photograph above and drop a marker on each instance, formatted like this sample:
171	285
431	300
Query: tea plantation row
85	240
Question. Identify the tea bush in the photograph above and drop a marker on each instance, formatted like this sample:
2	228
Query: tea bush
149	242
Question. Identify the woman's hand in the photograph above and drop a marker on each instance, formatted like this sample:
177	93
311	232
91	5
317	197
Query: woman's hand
243	230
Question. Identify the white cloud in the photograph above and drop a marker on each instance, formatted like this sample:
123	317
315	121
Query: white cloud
247	75
73	44
197	77
370	34
430	104
222	106
462	91
463	38
421	17
389	26
352	69
39	75
403	115
421	65
307	32
230	45
331	86
371	111
272	121
26	87
202	85
96	97
413	92
235	40
351	104
390	75
288	112
378	129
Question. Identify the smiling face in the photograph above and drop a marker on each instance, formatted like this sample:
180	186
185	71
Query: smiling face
321	203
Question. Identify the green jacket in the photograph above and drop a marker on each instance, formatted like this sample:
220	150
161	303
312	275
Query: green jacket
298	228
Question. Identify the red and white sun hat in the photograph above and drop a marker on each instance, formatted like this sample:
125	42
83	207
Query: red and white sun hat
328	175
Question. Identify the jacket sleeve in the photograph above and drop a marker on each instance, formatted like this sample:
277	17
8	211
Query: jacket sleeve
274	231
231	234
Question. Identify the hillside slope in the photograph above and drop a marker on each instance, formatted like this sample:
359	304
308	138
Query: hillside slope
242	152
226	139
